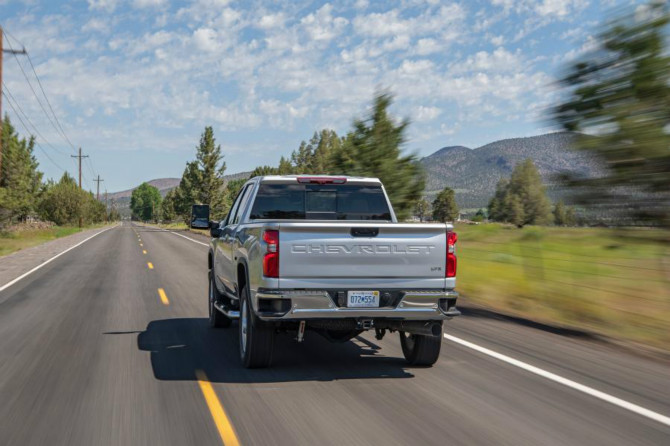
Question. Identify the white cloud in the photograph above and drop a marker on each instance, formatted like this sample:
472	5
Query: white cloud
96	25
559	8
498	40
428	46
148	3
205	39
426	113
321	25
107	5
499	60
270	21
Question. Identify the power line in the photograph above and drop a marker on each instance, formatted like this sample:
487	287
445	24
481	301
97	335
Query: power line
33	88
36	131
39	82
48	102
28	131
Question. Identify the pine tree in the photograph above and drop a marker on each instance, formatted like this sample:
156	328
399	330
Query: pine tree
373	148
497	203
20	181
261	171
522	199
212	169
526	183
285	167
559	213
445	208
422	209
168	206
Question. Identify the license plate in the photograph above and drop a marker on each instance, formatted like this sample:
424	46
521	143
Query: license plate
364	299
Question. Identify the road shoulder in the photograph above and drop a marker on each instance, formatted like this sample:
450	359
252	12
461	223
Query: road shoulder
14	265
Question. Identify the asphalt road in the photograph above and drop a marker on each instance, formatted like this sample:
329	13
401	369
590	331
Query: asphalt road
90	354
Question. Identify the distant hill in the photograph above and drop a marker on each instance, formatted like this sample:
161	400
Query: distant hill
162	184
474	173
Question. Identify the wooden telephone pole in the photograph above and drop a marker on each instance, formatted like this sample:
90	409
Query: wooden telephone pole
2	119
80	156
97	192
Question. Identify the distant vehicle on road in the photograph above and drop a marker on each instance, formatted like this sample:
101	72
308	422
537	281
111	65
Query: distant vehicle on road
200	216
326	254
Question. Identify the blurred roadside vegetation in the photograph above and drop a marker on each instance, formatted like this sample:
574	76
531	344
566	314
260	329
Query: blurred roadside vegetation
614	282
616	98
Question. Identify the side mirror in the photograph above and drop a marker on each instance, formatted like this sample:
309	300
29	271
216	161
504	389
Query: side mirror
214	230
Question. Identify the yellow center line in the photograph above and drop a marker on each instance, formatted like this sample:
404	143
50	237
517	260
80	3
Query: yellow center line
221	420
144	251
141	245
150	265
164	299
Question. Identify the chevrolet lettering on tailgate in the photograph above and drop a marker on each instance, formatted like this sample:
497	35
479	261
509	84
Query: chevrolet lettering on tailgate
360	249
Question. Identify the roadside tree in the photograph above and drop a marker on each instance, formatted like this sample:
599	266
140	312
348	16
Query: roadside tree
374	148
145	202
444	206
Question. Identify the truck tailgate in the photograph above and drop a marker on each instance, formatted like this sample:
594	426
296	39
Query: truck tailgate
314	255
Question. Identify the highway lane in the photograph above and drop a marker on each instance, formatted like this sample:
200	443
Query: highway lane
89	354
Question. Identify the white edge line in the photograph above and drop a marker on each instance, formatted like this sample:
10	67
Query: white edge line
564	381
8	284
180	235
189	238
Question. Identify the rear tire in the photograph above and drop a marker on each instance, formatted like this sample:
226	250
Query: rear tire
256	336
420	349
216	318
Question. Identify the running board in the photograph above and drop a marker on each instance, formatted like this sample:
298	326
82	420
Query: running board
231	314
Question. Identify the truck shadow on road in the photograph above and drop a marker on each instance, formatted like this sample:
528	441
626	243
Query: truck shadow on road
179	347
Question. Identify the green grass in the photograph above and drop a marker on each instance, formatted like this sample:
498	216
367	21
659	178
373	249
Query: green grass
15	241
613	282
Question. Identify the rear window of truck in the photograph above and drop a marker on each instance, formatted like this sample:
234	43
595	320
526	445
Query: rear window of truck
320	202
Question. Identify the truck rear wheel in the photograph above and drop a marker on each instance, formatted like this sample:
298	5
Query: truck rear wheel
256	336
216	318
420	349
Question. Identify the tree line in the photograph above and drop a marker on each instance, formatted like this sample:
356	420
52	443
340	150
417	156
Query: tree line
24	194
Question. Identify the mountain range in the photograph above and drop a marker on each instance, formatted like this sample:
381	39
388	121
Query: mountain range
472	173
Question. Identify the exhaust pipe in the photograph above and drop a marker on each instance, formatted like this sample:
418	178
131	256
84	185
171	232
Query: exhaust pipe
425	328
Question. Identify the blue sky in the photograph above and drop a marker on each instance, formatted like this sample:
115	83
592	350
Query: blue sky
134	82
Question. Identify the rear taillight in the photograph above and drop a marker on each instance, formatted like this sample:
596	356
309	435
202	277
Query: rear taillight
452	238
271	258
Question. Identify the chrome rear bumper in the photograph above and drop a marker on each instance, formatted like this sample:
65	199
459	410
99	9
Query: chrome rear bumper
311	304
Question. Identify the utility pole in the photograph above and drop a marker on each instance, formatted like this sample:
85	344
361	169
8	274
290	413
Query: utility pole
2	119
97	193
80	156
106	208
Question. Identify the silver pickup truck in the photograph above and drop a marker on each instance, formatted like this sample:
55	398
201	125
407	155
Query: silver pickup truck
326	254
